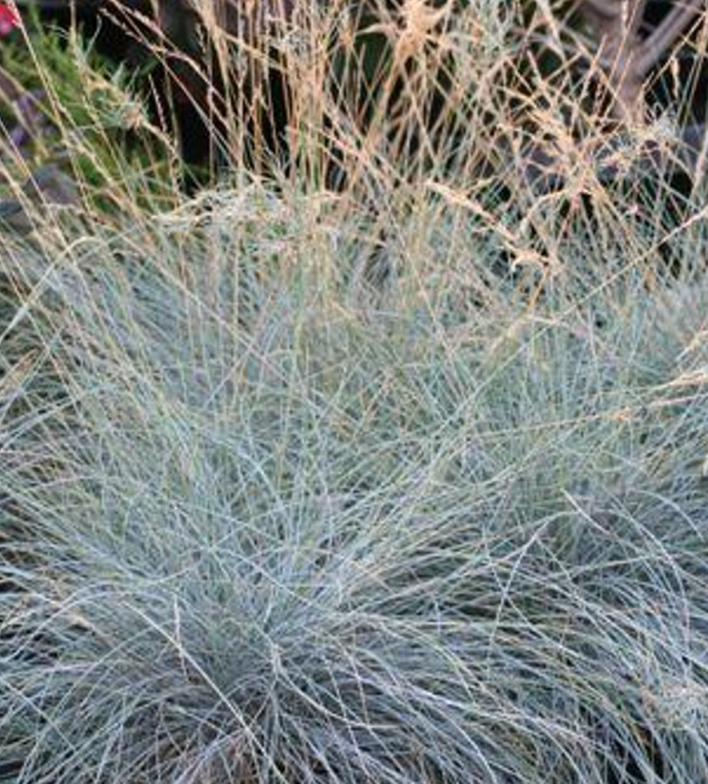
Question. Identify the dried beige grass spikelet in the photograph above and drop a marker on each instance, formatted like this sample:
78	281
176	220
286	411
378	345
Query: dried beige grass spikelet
419	23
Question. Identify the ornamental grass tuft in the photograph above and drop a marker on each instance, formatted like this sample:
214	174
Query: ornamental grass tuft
259	531
405	483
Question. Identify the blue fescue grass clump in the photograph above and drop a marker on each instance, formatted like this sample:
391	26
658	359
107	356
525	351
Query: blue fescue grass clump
262	535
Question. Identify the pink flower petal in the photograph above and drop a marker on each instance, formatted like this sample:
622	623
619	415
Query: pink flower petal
8	19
